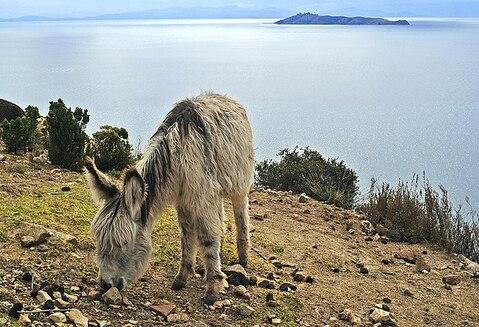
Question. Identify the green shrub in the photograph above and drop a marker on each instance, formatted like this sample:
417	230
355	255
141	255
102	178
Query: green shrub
306	171
111	149
414	213
66	135
20	133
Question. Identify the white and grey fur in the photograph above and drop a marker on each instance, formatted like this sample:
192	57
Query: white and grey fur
201	153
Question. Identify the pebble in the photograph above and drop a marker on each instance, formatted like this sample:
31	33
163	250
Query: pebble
408	292
236	275
275	321
287	287
78	319
70	298
13	311
60	303
364	270
42	297
277	264
383	317
164	309
24	320
177	317
422	265
221	303
266	283
245	310
57	318
367	227
112	296
451	279
303	198
241	291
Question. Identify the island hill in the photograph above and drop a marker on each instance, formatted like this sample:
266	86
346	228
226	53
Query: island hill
315	19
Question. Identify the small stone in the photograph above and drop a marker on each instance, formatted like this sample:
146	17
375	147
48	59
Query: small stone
60	303
66	188
70	298
42	297
266	283
13	312
253	280
222	303
94	295
245	310
269	297
345	314
408	292
364	270
451	279
42	248
24	320
277	264
422	265
387	300
303	198
240	291
28	241
177	317
127	302
309	279
383	317
275	321
381	230
27	277
386	261
48	305
57	318
57	295
236	275
78	319
299	276
164	309
367	227
448	287
406	255
307	211
287	287
112	296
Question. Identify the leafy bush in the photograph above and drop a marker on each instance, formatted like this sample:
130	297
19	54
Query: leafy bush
414	213
66	135
20	133
111	149
306	171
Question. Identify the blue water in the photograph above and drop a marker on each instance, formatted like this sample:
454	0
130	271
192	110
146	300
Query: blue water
389	100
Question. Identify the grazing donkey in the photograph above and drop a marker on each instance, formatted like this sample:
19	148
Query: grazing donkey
201	153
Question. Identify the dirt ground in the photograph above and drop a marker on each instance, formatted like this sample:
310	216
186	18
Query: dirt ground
324	242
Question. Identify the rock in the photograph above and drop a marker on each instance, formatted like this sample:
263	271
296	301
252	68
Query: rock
406	255
266	283
66	188
277	264
28	241
309	279
364	270
48	305
126	302
275	321
408	292
57	318
27	277
61	304
112	296
307	211
56	295
245	310
164	309
269	297
381	230
303	198
386	261
367	227
222	303
42	248
24	320
421	265
451	280
387	300
94	295
253	280
299	276
287	287
77	318
345	314
236	275
177	317
13	312
448	287
241	291
42	297
384	240
70	298
383	317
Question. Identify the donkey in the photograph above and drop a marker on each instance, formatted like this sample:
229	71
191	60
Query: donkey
201	153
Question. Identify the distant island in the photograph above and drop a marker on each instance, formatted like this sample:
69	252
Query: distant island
315	19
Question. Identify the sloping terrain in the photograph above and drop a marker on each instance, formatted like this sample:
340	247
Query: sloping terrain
349	269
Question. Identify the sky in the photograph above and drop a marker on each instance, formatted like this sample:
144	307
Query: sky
79	8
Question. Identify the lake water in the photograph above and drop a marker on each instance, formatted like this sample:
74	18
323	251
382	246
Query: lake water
389	100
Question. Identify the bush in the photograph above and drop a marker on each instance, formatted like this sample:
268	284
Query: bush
306	171
414	213
66	135
111	149
20	133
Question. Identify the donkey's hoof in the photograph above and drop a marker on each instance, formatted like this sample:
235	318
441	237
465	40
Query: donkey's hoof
210	299
178	285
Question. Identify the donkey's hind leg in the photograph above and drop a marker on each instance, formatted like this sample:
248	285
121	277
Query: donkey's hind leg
210	233
240	208
188	249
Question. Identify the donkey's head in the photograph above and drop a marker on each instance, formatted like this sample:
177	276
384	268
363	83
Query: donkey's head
122	240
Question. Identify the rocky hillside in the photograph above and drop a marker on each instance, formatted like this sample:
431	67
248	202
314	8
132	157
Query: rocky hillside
312	265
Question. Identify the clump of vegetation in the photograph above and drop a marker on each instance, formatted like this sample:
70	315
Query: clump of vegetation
418	213
66	137
307	171
20	134
111	149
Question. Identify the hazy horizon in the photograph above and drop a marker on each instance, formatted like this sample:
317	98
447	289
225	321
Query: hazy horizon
10	9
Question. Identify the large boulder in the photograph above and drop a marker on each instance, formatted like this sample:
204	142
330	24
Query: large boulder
9	110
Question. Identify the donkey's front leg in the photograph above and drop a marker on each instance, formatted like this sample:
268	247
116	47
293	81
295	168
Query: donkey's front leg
188	249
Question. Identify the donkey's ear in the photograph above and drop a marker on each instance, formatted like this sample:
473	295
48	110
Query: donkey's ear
134	191
102	189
